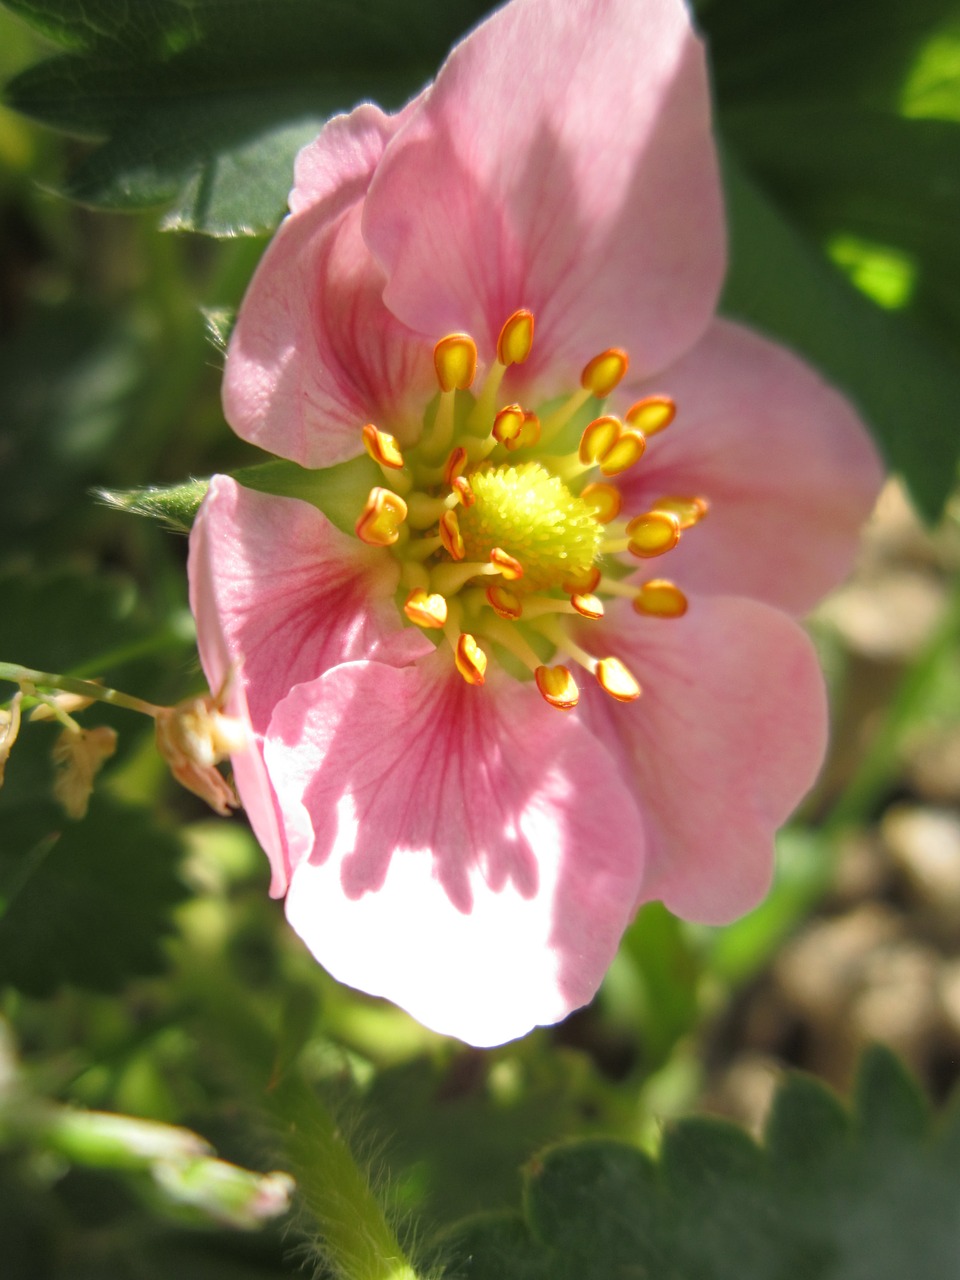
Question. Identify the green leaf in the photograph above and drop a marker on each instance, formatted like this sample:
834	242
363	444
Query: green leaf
829	1196
908	388
85	903
203	105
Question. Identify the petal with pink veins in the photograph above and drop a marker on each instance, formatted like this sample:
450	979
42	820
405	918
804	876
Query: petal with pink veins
726	739
279	596
315	354
782	458
563	161
476	858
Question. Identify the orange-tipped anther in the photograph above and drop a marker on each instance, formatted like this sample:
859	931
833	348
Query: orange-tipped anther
451	536
426	609
529	432
502	601
516	338
602	373
614	678
509	566
627	450
604	499
382	448
653	534
507	426
455	465
598	438
588	606
470	659
380	520
689	511
582	583
651	414
660	598
464	488
558	687
455	360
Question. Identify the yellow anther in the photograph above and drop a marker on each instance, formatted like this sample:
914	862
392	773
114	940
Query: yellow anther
627	450
464	491
455	360
653	534
660	598
614	678
588	606
382	448
582	583
689	511
507	426
516	338
381	518
651	414
601	374
604	499
529	432
509	566
426	609
598	438
451	536
470	659
558	687
503	601
455	465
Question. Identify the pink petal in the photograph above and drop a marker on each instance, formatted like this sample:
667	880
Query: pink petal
563	162
476	857
315	354
725	740
279	596
783	459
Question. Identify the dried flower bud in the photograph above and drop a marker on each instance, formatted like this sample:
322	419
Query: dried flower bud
9	728
78	756
193	737
52	703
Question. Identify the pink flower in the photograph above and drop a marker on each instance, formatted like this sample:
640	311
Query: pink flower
460	792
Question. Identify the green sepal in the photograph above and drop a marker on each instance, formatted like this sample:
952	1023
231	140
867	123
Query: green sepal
339	492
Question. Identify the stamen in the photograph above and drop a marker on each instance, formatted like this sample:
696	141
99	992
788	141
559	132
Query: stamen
588	606
424	511
509	566
651	414
426	610
464	491
652	534
660	598
455	465
557	686
516	338
384	449
507	426
380	520
606	443
584	582
604	372
614	678
449	578
503	602
622	455
530	432
689	511
470	659
598	438
455	360
451	536
605	500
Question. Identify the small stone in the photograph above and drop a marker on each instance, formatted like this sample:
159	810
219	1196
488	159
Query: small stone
925	844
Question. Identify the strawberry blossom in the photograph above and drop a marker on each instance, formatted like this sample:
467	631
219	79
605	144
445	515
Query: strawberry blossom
551	672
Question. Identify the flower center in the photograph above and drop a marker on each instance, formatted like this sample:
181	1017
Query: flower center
500	555
534	517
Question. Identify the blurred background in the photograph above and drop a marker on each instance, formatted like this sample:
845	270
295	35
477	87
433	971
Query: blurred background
143	968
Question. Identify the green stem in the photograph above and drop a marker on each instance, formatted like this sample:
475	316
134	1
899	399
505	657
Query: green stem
70	684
